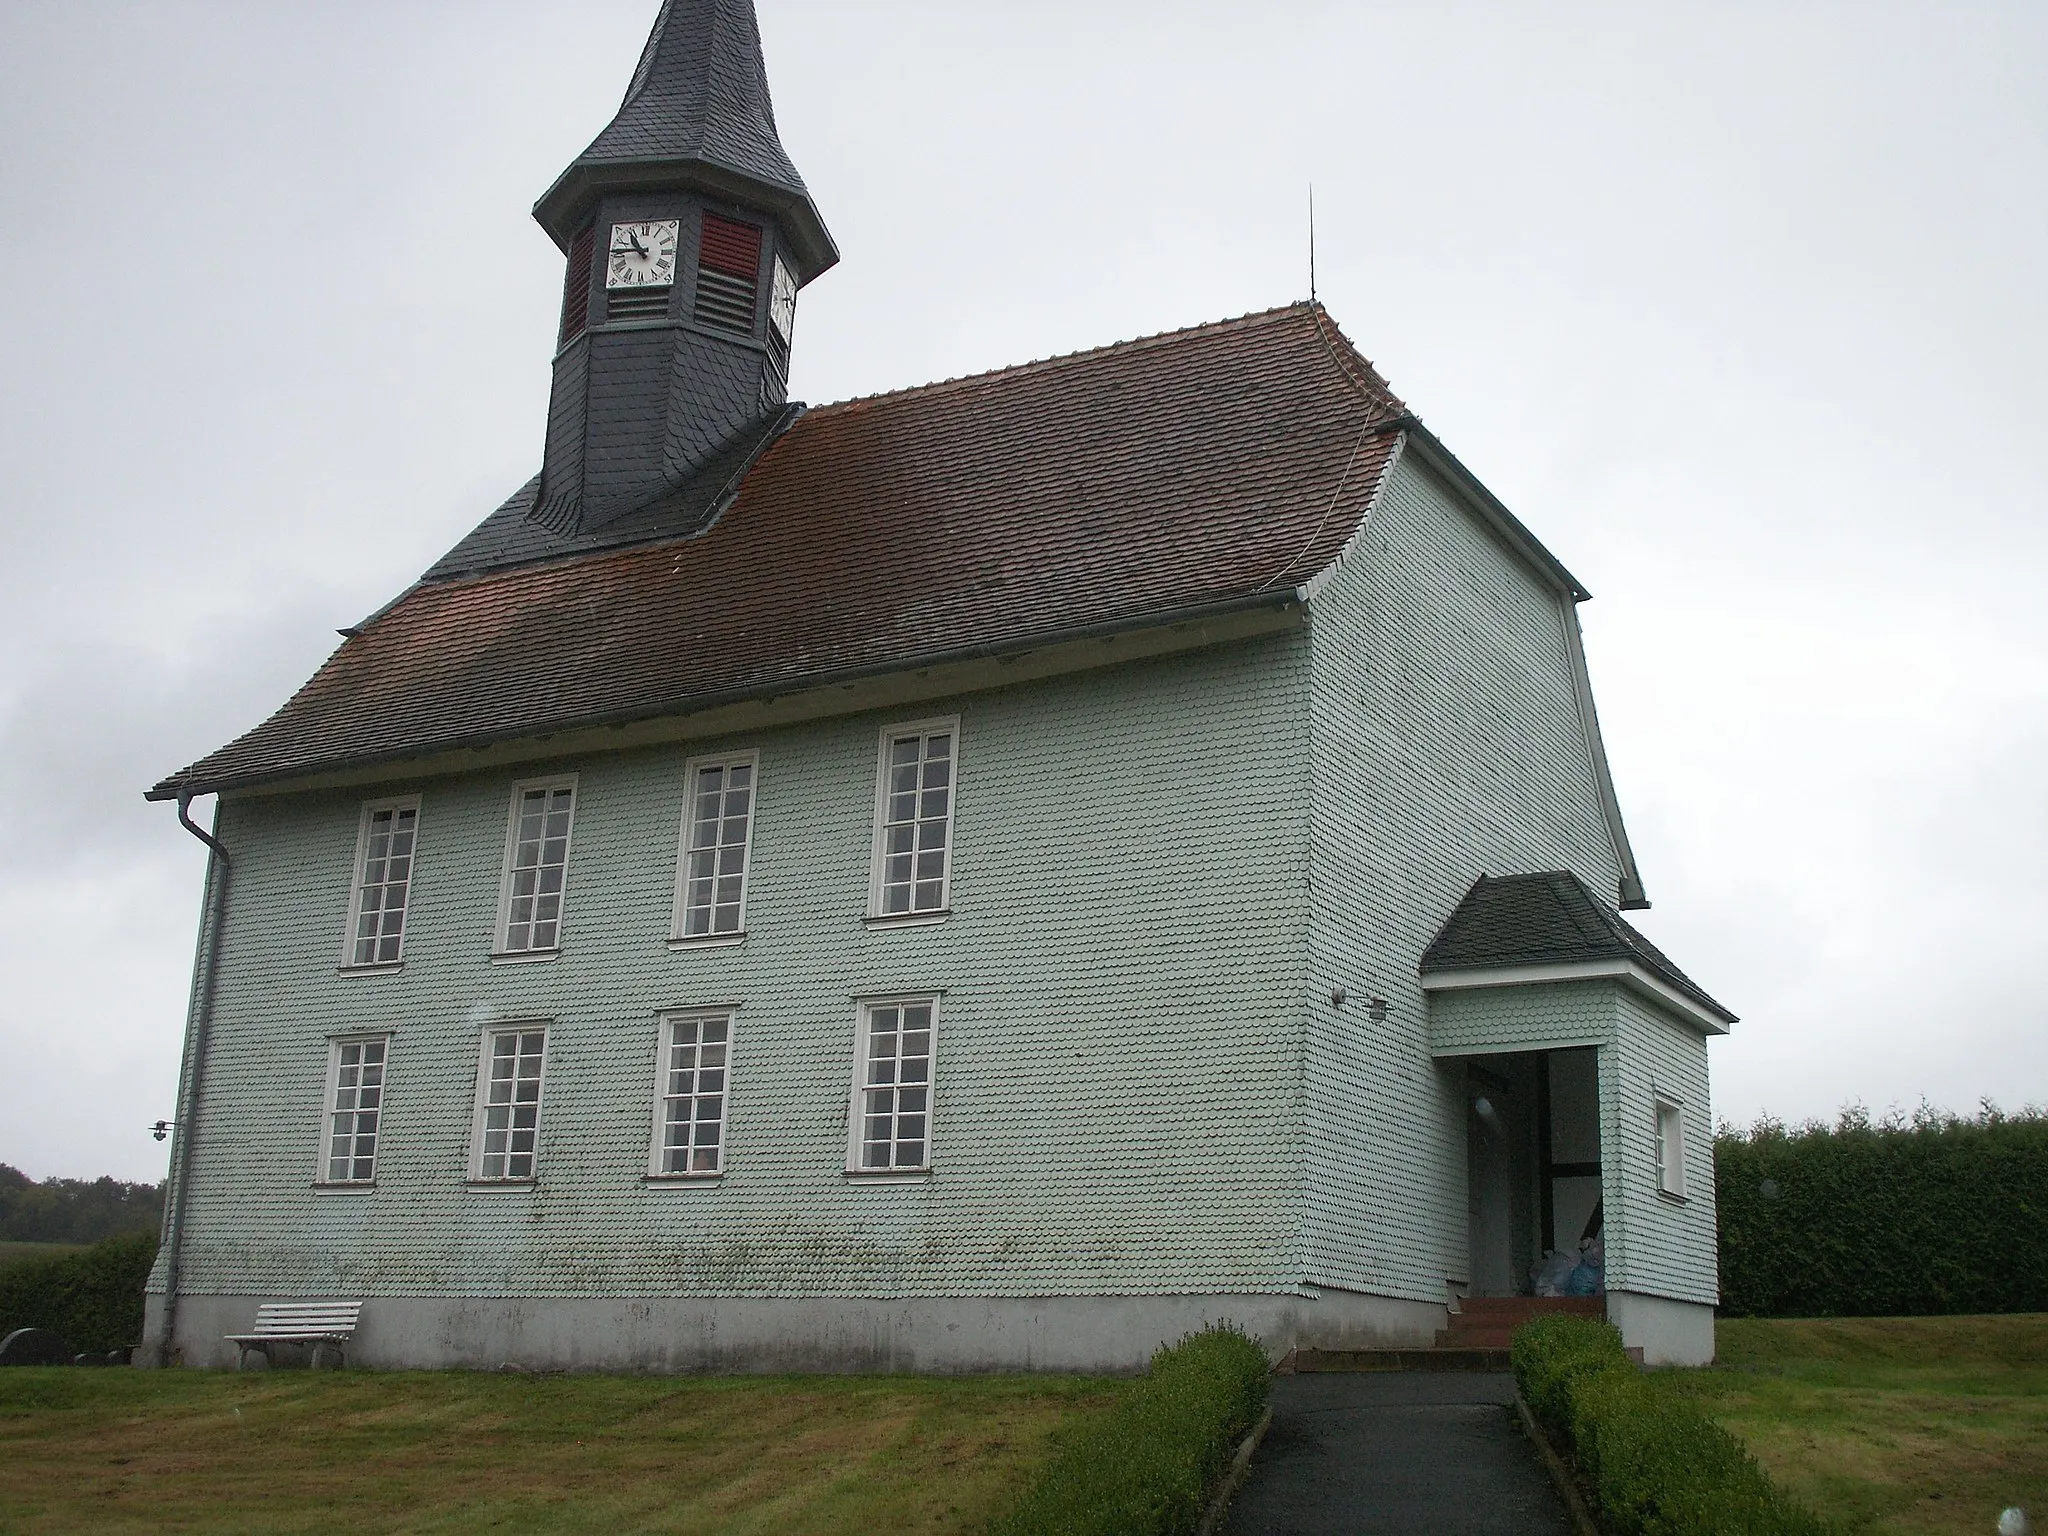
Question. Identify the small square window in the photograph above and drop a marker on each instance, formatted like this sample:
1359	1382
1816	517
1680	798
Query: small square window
892	1086
914	797
1670	1149
696	1067
711	870
386	845
355	1109
507	1136
536	867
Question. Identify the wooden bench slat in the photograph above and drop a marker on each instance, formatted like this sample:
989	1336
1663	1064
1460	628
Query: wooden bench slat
301	1322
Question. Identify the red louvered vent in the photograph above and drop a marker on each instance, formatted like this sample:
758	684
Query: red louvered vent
728	274
731	247
576	287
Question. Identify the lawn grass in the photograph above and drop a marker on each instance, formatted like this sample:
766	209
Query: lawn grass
288	1451
1898	1426
9	1251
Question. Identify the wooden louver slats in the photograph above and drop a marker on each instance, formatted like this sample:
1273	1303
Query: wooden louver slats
730	247
728	274
576	286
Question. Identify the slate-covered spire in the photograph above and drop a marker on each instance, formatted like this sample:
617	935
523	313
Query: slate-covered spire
697	108
687	232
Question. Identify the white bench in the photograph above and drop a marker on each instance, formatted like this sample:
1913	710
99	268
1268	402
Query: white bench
318	1323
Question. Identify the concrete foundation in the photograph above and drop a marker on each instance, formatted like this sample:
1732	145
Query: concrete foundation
935	1335
1667	1332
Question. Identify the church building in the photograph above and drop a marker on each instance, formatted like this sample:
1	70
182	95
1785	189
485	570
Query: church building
987	876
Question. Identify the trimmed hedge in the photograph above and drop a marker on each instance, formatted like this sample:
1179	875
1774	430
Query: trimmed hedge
1924	1217
1146	1469
1654	1463
92	1300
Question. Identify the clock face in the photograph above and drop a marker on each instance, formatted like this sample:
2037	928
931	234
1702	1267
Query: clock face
782	302
642	255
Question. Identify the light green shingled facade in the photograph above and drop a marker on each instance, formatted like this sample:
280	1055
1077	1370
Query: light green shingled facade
1116	1052
1148	1109
1447	743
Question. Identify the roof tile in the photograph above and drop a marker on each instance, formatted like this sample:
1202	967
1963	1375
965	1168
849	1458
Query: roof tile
1107	487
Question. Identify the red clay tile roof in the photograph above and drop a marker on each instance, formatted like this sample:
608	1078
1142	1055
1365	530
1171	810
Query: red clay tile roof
1107	488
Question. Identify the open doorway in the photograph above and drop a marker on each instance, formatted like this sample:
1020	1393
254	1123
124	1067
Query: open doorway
1533	1165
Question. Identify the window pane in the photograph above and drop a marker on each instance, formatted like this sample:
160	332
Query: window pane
693	1096
353	1115
895	1086
512	1104
539	870
383	884
916	820
715	857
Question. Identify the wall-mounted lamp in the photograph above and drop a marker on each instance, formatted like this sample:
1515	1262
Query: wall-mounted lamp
1376	1010
162	1129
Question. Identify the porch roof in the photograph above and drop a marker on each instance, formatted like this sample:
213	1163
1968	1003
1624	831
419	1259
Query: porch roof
1550	922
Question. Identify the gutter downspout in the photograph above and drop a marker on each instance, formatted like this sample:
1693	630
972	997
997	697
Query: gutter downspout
218	868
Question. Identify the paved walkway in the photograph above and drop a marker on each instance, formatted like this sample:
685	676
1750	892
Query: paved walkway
1396	1454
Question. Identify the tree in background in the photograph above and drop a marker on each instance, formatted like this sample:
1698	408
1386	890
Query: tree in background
75	1210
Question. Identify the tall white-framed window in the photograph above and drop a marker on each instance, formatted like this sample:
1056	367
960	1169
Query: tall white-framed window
890	1126
506	1137
693	1078
354	1120
536	866
715	847
914	792
1670	1148
386	843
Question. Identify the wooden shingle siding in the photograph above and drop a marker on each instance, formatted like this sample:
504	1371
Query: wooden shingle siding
1117	1059
1546	1017
1446	743
1657	1245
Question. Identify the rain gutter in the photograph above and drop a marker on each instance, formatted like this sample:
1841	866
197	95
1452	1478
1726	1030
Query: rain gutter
218	868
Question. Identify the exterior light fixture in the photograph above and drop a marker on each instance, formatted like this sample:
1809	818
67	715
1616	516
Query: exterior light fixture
162	1129
1337	996
1376	1010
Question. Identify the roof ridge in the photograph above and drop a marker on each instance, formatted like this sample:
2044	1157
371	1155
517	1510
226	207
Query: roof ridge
1249	321
1591	898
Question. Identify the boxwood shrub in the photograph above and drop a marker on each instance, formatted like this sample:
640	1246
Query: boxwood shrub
91	1299
1146	1469
1653	1462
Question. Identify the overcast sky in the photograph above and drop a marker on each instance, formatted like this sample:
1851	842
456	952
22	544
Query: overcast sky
1741	308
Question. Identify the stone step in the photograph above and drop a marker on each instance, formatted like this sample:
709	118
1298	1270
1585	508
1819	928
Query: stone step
1522	1308
1305	1361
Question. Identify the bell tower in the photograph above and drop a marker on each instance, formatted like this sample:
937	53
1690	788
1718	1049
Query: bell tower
687	233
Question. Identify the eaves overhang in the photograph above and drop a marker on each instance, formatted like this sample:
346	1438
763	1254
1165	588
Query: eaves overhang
791	700
1702	1012
567	205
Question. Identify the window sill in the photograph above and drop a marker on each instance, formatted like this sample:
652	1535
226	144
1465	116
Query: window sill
888	1175
709	941
908	919
526	1184
1670	1199
353	1187
682	1180
523	956
381	968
